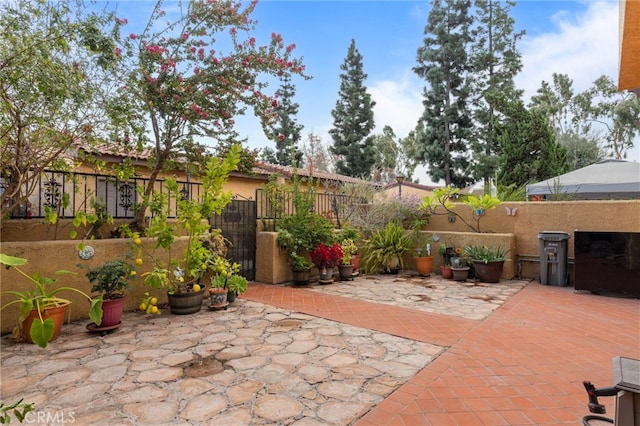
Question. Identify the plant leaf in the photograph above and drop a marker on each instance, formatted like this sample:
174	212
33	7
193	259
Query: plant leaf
95	312
41	332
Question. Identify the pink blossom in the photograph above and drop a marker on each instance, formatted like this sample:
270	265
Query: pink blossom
280	137
132	36
196	71
252	41
291	47
118	51
184	36
275	103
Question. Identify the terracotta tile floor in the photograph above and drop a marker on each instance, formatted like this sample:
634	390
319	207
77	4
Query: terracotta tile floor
522	365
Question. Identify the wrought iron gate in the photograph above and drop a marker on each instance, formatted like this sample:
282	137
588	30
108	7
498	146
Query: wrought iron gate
238	225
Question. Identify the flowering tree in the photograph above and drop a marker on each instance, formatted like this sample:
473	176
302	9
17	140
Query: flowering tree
56	60
187	79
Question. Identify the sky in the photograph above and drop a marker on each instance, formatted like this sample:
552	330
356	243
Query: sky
577	38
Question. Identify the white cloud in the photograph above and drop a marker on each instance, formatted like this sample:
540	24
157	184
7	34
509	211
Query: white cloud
398	103
584	46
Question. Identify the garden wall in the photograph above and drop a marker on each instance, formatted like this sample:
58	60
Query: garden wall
531	218
46	257
522	220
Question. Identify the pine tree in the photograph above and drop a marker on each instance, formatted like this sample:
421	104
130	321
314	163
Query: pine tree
530	151
353	119
496	61
286	132
443	63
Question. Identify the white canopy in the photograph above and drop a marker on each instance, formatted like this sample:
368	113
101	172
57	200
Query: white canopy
608	179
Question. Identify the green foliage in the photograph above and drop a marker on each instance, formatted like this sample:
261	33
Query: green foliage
496	61
385	248
303	230
444	198
192	217
390	158
111	279
512	192
19	409
351	233
176	78
446	123
237	284
486	254
42	296
353	119
530	151
299	262
56	58
286	132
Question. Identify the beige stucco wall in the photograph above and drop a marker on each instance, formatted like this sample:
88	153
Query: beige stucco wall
47	257
520	232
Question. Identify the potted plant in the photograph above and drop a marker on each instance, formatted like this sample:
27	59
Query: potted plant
111	280
353	234
326	258
300	268
301	232
224	281
181	274
218	292
488	262
385	249
459	266
237	285
424	260
346	267
41	309
447	253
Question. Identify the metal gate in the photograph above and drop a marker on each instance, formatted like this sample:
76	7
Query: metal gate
238	224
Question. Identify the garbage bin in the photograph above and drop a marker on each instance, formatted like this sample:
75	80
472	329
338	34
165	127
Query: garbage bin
553	258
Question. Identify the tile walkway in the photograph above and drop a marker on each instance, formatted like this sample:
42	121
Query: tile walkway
374	351
522	365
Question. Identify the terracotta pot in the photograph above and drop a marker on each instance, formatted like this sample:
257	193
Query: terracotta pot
489	272
424	264
112	312
446	272
56	313
461	273
218	297
355	261
346	272
186	303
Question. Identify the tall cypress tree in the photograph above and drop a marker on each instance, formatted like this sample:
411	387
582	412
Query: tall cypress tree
353	119
287	131
443	63
496	61
530	151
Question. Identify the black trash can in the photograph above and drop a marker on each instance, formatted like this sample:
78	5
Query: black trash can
554	261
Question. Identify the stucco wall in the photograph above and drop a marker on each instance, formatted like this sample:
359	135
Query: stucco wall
47	257
519	231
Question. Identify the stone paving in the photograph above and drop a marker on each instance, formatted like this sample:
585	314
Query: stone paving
251	364
469	299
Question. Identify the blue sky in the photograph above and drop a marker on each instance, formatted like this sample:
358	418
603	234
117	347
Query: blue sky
579	38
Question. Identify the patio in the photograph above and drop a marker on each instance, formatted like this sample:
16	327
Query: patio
378	350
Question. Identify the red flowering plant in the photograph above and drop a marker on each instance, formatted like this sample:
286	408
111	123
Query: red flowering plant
327	257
